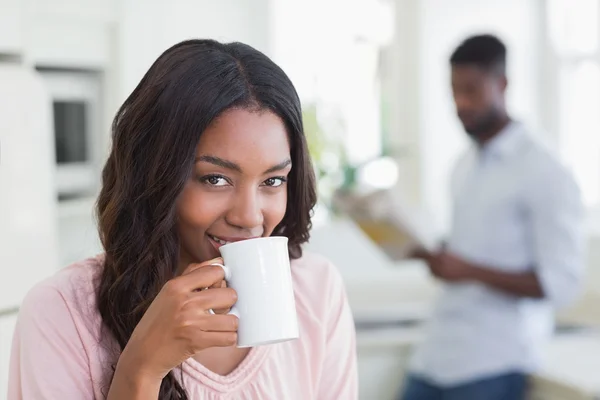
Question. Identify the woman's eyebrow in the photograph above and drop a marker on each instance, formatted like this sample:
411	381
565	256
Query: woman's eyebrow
220	162
281	166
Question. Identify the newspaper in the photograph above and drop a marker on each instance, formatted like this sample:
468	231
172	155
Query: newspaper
390	222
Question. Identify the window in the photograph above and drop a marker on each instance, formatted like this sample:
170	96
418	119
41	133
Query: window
574	34
326	64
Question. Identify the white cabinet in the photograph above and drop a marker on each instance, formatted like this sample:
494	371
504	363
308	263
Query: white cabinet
28	231
70	33
382	362
78	233
571	367
11	27
86	10
7	327
67	43
548	389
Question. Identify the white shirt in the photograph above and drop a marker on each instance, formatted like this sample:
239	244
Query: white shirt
516	208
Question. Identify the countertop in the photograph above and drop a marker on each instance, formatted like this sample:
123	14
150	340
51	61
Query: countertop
574	360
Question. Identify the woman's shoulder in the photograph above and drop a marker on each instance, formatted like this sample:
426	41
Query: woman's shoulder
75	281
314	265
317	278
59	325
71	290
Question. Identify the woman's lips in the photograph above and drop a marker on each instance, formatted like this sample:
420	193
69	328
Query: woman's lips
218	241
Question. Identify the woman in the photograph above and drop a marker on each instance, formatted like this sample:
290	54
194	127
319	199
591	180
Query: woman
208	148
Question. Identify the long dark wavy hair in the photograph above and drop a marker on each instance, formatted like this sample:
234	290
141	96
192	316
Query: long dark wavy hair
154	139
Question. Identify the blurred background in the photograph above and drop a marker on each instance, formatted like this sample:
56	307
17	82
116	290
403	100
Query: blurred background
373	76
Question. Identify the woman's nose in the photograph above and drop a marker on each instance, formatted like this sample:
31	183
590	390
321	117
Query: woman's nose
246	211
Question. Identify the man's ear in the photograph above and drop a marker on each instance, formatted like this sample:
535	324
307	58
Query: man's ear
503	83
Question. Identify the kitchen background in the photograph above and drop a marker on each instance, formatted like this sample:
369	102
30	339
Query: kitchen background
374	80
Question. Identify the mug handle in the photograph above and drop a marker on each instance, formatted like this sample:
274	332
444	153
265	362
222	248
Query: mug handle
227	272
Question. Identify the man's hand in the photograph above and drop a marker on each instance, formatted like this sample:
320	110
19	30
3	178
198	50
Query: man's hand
419	253
450	268
444	265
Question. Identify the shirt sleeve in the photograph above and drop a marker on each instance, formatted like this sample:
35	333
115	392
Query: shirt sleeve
556	212
48	359
340	374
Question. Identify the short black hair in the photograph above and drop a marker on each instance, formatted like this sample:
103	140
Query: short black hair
485	51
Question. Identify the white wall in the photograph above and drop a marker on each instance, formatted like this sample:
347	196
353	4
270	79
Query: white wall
149	27
404	100
11	26
67	33
444	24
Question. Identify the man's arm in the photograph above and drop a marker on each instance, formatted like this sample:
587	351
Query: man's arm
450	267
555	214
524	284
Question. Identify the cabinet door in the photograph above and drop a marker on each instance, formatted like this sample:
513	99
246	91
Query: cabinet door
71	43
7	327
11	35
548	389
381	371
28	231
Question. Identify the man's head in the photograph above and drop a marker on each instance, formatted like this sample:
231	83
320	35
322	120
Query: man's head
479	83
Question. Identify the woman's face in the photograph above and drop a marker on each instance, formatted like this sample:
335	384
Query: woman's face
238	187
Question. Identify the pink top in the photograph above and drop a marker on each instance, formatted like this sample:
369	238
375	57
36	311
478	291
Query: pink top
60	351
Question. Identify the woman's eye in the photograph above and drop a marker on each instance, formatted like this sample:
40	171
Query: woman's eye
275	182
215	180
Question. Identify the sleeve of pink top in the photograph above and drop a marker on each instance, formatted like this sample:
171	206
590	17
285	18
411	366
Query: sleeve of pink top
340	373
48	360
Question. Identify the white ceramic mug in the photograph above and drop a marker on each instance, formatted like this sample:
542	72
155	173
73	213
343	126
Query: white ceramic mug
259	271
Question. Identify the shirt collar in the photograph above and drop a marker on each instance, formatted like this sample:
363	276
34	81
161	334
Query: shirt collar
506	142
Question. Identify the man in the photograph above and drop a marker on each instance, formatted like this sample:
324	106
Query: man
515	251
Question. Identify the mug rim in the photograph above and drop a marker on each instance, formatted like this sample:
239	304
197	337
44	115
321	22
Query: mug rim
258	239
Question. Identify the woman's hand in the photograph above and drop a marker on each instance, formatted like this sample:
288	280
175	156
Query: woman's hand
178	324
